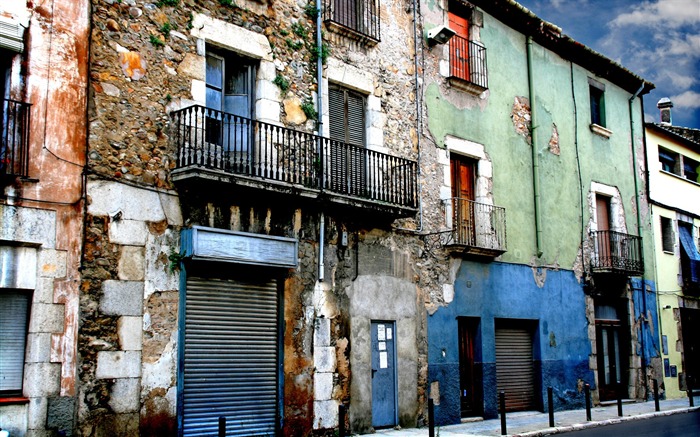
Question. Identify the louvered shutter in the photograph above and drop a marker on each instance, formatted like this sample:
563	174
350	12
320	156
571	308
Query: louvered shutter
14	312
347	129
231	357
337	129
514	368
356	137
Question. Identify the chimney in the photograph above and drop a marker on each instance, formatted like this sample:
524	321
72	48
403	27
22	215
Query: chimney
665	106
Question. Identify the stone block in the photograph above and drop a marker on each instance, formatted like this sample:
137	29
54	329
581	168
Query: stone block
43	293
125	396
130	333
122	298
375	137
158	274
132	264
448	292
61	413
325	414
374	104
324	359
128	232
230	36
485	168
38	348
42	379
28	225
192	67
323	386
171	207
134	203
265	89
46	317
13	418
445	193
350	76
268	110
198	89
322	333
376	119
119	364
19	266
267	71
52	263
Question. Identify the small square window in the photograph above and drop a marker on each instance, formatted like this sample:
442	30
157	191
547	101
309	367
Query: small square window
669	161
690	169
667	237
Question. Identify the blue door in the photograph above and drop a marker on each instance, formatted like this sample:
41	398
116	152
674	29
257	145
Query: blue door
384	398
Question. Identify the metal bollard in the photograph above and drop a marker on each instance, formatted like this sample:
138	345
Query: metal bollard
587	392
502	398
222	426
619	400
656	396
689	383
550	406
431	418
341	420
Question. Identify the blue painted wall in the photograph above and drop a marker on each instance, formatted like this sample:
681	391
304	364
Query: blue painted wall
490	291
646	316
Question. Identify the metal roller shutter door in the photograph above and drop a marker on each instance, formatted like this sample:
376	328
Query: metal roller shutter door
230	368
514	368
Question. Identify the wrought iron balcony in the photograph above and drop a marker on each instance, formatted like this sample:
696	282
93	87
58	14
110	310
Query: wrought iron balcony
468	64
358	19
615	252
215	145
477	228
14	150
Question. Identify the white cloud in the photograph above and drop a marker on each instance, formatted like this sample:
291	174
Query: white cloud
687	100
669	13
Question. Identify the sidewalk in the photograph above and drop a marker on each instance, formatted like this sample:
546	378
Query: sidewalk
534	423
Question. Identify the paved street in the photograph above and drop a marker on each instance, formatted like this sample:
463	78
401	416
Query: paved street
675	425
533	424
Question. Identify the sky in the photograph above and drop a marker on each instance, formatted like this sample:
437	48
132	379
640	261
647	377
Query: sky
658	40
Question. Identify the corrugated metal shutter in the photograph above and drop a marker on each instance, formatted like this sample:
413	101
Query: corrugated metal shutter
514	368
14	309
231	357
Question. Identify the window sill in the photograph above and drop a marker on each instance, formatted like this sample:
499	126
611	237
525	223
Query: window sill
600	130
677	176
18	400
668	252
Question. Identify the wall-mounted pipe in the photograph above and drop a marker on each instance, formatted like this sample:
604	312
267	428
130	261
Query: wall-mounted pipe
319	104
535	157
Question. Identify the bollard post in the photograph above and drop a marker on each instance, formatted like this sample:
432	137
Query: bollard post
222	426
431	418
341	420
550	406
689	383
587	392
656	396
502	398
619	400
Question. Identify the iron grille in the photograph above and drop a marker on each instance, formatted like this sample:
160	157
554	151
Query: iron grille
478	225
14	150
468	61
360	17
615	252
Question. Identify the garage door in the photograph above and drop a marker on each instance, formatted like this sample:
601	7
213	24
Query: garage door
514	367
230	357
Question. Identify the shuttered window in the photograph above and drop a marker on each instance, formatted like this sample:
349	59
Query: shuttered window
514	367
347	128
231	357
14	319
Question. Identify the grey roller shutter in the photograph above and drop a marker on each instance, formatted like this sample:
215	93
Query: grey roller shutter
231	357
514	368
14	311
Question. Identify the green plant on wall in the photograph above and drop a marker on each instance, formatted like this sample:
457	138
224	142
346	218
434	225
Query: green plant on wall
157	42
166	28
308	107
175	259
162	3
323	52
300	30
294	45
281	82
311	10
227	3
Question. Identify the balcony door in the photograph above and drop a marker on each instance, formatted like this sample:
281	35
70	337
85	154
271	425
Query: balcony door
230	86
463	181
603	243
348	157
459	44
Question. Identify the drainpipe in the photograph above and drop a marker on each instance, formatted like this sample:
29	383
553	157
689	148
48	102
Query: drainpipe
535	158
319	104
639	233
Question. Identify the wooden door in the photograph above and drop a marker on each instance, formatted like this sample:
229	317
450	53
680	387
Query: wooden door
603	242
459	46
470	393
463	173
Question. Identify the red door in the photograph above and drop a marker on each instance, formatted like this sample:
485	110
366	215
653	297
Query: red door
463	194
459	46
603	249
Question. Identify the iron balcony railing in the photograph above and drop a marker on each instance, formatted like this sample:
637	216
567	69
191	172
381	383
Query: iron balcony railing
468	61
207	138
616	252
359	16
14	150
478	225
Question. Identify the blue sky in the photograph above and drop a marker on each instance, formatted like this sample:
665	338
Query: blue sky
658	40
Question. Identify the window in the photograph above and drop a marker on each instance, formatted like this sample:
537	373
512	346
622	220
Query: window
14	321
669	161
359	19
690	169
667	237
597	92
347	129
467	57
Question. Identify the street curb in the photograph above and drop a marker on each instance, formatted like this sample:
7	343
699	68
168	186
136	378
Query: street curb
580	426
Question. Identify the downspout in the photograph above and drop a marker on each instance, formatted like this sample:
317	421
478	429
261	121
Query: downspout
419	120
319	104
535	158
639	233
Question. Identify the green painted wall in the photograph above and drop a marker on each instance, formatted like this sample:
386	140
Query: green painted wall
489	122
